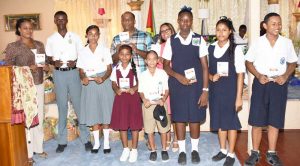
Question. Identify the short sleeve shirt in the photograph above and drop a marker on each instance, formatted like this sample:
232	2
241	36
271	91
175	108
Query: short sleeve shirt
151	85
167	53
63	48
271	61
97	60
142	41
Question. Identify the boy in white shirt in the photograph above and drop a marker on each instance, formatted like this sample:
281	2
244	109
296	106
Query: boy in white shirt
154	90
271	59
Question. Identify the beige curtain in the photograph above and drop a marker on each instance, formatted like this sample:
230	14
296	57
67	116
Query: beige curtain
81	14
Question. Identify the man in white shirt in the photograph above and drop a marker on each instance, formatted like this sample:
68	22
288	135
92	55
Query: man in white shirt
62	47
240	38
271	59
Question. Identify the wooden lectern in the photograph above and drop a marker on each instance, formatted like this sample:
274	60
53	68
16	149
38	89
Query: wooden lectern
13	148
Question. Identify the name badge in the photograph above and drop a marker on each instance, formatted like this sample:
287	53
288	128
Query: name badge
222	68
196	41
124	83
190	74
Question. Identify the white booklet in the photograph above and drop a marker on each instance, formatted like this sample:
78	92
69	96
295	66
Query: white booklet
222	68
124	37
40	59
90	73
154	97
124	83
190	74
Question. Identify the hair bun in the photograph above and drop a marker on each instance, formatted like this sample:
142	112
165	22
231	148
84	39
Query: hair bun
185	8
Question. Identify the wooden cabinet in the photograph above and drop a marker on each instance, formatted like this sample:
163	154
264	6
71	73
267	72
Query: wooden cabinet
13	149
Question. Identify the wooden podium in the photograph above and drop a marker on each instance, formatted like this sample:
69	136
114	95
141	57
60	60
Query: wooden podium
13	148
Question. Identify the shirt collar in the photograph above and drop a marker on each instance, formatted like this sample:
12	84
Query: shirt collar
217	45
189	36
121	68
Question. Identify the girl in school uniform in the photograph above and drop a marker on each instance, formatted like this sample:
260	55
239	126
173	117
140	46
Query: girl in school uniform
165	32
188	82
226	69
127	107
94	63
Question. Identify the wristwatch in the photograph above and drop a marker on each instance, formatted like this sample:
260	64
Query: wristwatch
205	89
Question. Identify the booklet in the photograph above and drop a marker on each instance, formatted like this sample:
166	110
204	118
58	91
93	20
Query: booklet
222	68
124	37
124	83
40	59
190	74
90	73
154	97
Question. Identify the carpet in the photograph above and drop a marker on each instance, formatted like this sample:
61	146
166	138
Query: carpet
75	155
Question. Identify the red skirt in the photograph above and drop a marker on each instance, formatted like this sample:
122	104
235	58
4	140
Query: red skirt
127	112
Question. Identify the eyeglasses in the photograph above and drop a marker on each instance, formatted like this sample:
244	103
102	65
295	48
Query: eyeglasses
166	31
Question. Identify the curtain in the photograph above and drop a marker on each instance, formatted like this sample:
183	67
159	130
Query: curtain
81	14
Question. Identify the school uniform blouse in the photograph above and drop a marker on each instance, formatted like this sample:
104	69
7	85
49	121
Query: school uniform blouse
150	84
96	61
239	60
63	48
167	54
271	61
124	73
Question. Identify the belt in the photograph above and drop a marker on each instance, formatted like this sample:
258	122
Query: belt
65	69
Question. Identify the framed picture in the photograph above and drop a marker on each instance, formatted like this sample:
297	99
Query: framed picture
11	20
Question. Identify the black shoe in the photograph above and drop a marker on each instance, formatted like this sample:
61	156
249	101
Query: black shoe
182	158
195	157
60	148
273	159
88	146
95	150
153	156
105	151
229	161
164	156
253	158
218	156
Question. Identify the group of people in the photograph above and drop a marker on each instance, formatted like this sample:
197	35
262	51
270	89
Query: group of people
137	84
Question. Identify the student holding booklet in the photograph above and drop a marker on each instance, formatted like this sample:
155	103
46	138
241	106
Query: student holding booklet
226	70
188	82
94	63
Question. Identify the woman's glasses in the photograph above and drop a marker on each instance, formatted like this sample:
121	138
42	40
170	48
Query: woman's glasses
165	31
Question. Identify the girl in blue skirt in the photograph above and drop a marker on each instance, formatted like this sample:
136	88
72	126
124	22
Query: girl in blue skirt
226	73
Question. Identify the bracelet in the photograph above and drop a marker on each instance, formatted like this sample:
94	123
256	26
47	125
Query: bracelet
205	89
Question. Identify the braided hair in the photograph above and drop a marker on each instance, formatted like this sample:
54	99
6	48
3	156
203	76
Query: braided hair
133	66
227	22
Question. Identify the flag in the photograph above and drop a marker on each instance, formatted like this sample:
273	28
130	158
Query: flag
150	27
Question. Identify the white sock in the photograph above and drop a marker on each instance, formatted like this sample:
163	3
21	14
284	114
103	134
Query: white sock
181	144
230	155
271	151
96	139
106	138
195	144
224	151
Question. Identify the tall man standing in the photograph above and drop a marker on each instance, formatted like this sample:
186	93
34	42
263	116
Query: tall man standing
62	47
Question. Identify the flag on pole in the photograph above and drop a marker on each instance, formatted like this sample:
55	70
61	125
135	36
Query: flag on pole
150	27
